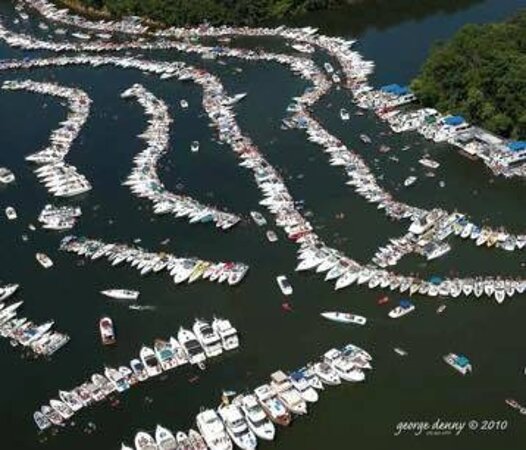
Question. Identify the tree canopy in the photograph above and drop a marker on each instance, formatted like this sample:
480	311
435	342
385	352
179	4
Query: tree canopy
481	74
185	12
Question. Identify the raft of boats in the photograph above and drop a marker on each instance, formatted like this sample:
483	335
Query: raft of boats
242	419
196	346
59	178
40	339
180	269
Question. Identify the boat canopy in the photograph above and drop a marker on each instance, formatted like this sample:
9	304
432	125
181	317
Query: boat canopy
395	89
462	361
297	375
454	120
517	146
404	303
435	280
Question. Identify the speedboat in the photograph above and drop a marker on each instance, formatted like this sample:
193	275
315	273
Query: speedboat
272	405
284	285
41	421
213	430
344	114
150	362
195	146
459	362
256	417
121	294
196	440
44	260
344	317
191	346
237	427
107	332
165	439
7	290
405	307
409	181
117	379
344	366
10	213
139	370
143	441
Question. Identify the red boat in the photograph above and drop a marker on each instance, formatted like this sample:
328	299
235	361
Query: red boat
107	332
383	300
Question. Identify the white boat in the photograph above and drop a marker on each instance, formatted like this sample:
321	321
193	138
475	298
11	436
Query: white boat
107	331
302	385
271	236
430	163
272	405
164	439
237	427
213	430
44	260
409	181
150	362
326	373
344	114
344	317
7	291
227	333
41	421
284	285
400	351
405	307
183	103
344	366
10	213
143	441
191	346
458	362
287	393
139	370
256	417
195	146
121	294
258	218
6	176
208	338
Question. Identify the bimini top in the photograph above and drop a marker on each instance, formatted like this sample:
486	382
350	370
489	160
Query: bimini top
395	89
435	280
462	361
454	120
517	146
405	303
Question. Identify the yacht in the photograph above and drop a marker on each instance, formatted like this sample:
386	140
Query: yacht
302	385
10	213
121	294
191	346
44	260
208	338
143	441
237	427
165	354
107	331
150	361
284	285
287	393
344	317
213	431
227	333
405	307
344	366
272	405
459	362
164	439
256	417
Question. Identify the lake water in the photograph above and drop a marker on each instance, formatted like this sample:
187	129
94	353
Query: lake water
397	36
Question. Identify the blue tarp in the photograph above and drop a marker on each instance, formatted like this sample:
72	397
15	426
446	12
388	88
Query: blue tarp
395	89
462	361
454	120
517	146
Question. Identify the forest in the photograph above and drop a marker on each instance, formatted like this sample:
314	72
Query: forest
481	74
185	12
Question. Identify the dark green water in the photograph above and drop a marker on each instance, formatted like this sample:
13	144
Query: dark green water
421	387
